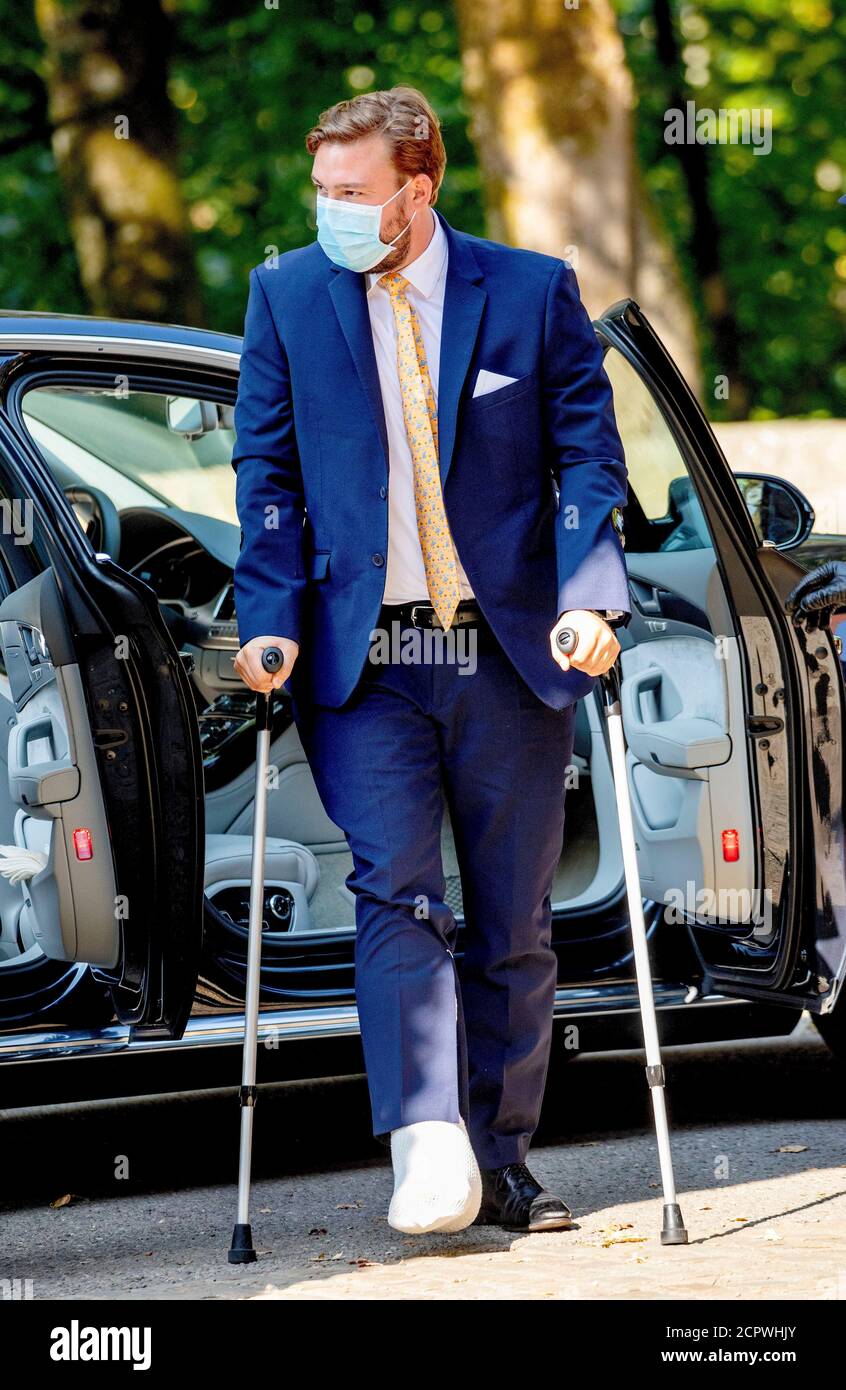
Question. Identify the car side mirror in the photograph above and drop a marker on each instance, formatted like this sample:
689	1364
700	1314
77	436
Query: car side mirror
782	515
189	417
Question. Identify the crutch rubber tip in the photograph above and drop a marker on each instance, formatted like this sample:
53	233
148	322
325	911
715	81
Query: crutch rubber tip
673	1232
242	1252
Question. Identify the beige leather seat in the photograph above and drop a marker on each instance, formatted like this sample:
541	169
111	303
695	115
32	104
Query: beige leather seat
229	857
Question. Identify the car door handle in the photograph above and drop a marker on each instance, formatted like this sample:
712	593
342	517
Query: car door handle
645	596
40	781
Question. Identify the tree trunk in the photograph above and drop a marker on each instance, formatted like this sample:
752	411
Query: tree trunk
115	144
705	248
551	101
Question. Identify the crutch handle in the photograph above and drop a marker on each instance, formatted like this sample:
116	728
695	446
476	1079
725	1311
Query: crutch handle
272	658
566	640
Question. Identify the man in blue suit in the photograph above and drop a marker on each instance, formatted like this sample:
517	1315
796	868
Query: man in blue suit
426	448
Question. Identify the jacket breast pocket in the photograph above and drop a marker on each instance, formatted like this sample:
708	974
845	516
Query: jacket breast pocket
317	564
502	432
490	399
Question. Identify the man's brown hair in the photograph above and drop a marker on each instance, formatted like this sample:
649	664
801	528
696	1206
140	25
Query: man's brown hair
402	116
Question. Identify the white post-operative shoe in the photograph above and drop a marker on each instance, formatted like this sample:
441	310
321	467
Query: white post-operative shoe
437	1183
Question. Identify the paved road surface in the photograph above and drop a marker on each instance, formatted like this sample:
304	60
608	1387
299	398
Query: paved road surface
153	1201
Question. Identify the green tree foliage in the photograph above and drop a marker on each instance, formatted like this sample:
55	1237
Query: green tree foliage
253	83
249	81
781	233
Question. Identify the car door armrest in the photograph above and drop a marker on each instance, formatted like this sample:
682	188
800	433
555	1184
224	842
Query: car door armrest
660	734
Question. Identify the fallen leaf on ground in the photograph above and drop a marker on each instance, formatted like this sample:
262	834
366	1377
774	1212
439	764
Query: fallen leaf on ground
348	1206
624	1240
791	1149
64	1201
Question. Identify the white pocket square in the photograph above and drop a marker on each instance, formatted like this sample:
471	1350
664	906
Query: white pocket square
490	381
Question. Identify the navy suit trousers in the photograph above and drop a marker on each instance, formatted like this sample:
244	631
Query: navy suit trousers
453	1021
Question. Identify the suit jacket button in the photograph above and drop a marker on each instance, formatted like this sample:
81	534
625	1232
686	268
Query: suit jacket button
378	559
383	492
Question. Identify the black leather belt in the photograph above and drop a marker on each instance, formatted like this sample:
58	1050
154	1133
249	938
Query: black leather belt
467	613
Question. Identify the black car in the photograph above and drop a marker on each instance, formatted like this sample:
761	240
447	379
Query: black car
129	742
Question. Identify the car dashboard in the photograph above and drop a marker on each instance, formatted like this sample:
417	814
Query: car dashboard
187	560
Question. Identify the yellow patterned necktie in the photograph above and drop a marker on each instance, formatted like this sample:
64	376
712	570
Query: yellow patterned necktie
421	425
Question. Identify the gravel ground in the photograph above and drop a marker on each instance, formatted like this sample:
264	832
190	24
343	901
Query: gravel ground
764	1199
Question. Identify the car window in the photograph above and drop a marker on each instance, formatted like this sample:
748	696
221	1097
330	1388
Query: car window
140	447
657	473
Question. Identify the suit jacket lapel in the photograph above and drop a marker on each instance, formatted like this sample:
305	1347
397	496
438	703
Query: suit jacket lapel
348	292
464	302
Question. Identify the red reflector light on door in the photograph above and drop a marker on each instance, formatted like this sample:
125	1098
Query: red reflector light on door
83	844
731	846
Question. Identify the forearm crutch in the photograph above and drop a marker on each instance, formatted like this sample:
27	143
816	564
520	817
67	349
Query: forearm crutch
673	1231
242	1251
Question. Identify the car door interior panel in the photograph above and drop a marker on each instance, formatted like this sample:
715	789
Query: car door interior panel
70	905
687	760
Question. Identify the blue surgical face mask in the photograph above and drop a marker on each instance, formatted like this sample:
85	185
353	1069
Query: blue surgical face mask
349	232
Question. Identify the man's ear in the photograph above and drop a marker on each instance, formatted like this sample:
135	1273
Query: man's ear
422	189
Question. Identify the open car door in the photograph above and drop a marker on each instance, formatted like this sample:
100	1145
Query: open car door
105	771
733	713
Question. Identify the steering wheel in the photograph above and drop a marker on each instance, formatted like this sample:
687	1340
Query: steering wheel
98	516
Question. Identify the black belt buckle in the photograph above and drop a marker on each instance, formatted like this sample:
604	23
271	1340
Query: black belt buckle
429	608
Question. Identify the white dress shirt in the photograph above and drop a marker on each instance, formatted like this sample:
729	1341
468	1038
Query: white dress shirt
405	577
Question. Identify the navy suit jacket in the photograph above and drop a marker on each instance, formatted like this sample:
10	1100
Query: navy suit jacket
311	461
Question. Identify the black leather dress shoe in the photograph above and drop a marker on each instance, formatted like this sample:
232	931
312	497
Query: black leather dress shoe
512	1198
